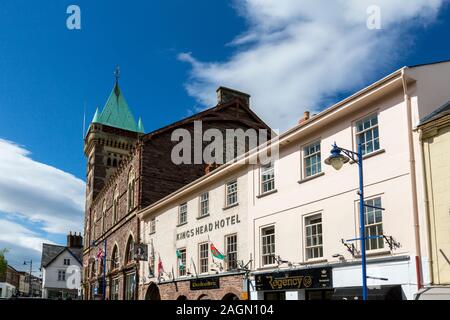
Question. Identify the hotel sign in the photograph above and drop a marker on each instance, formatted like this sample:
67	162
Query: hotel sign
205	283
316	278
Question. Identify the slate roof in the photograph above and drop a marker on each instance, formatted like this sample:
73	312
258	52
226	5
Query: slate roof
50	252
436	114
117	114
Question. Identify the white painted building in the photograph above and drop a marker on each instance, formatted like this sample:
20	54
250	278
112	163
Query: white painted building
61	269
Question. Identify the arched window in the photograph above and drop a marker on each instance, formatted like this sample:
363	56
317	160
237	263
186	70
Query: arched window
115	163
115	204
131	189
130	250
108	162
115	258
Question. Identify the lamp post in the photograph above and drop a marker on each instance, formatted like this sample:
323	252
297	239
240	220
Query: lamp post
340	156
30	292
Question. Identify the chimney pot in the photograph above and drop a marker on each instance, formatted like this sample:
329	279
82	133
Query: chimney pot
306	116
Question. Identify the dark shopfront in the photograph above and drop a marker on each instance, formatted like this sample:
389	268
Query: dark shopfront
300	284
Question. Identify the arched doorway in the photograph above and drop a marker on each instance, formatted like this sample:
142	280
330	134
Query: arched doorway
182	298
204	297
230	296
152	292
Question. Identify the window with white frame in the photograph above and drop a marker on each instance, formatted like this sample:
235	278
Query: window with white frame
267	178
367	133
203	257
204	204
182	214
312	160
313	237
61	275
182	262
231	193
152	225
373	224
268	245
231	251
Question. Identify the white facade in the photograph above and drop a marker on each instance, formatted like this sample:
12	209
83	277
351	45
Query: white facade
62	275
214	227
393	180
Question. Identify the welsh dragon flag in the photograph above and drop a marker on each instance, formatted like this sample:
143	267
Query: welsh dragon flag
180	260
216	253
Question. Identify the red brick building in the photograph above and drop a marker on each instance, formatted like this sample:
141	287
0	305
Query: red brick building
128	170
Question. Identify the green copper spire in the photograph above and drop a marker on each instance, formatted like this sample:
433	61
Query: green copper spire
116	112
95	119
141	126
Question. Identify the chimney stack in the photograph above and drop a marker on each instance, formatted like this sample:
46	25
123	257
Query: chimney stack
225	95
74	240
305	117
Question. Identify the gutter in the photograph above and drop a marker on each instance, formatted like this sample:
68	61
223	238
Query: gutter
412	165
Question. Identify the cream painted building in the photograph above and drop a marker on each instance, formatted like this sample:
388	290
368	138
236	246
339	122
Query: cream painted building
435	135
297	217
179	232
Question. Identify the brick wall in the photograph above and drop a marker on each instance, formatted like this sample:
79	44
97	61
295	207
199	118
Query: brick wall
172	291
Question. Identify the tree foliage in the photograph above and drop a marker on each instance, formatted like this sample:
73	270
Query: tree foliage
3	261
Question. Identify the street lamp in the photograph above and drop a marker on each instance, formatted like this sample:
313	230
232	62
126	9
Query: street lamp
30	292
339	156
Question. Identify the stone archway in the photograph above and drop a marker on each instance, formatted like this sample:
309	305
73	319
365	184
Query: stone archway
152	292
182	298
204	297
230	296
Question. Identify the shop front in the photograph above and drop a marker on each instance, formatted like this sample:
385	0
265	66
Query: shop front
294	284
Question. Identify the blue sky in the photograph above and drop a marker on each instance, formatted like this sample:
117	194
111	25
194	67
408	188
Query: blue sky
289	55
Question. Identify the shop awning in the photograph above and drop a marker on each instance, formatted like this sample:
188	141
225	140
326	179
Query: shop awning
381	293
434	293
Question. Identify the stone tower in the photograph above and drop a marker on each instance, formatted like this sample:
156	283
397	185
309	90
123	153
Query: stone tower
111	138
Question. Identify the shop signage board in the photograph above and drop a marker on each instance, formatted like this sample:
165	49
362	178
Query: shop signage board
205	283
314	278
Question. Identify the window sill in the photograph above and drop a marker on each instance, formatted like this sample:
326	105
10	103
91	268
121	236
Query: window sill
202	217
315	261
262	195
268	266
231	206
370	155
311	177
181	224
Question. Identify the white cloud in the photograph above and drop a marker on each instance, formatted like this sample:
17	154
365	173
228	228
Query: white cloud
298	54
49	197
15	234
